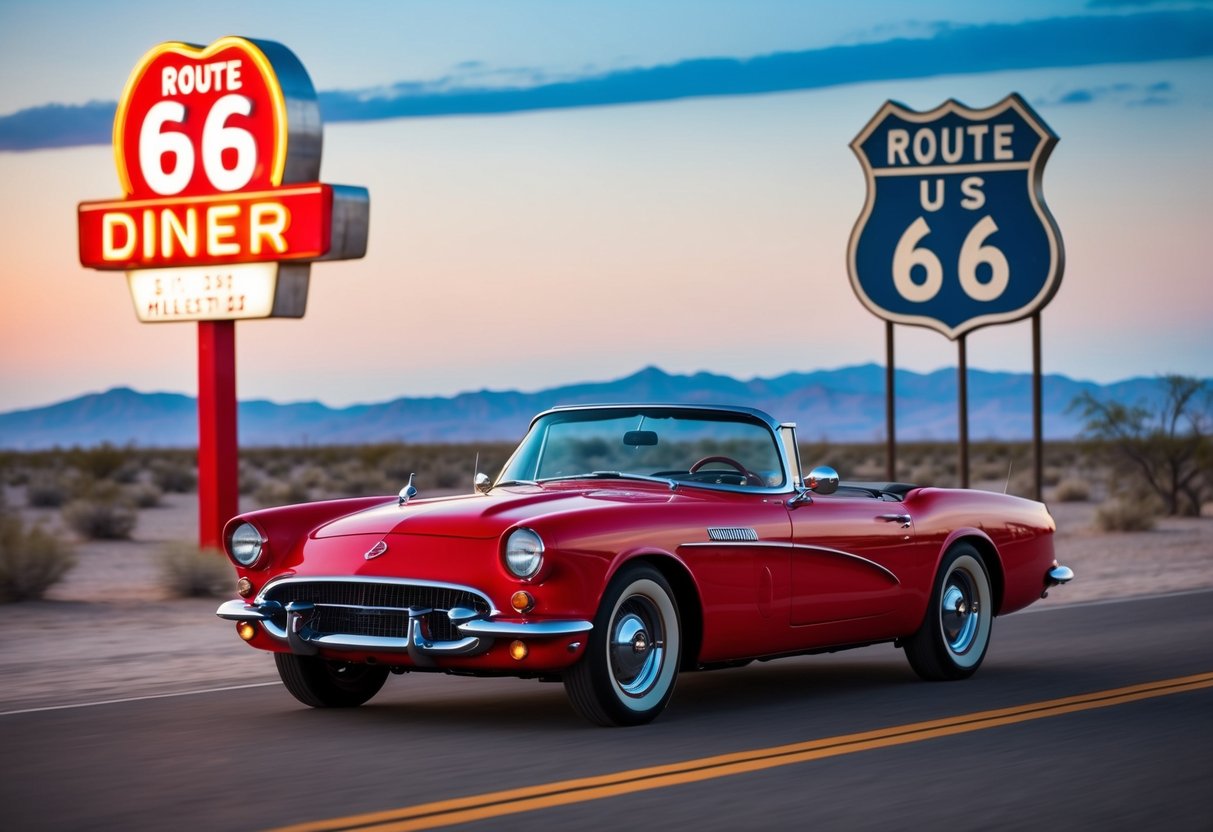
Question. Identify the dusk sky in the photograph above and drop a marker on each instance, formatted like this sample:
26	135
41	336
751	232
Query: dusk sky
572	191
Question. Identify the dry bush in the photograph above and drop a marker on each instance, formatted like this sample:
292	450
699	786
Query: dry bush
925	474
1022	483
987	470
279	493
249	476
174	475
190	572
145	495
1127	514
104	461
47	489
13	470
1072	490
31	560
311	477
352	479
102	512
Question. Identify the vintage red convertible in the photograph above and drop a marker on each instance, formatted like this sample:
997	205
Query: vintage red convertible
622	545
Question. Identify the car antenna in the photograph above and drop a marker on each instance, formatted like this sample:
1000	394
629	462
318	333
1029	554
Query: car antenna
1007	487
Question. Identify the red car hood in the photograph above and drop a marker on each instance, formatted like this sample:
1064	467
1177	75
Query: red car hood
479	515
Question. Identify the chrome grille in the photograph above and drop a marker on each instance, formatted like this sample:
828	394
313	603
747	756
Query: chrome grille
377	609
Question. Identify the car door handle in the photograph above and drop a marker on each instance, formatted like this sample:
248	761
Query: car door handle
903	519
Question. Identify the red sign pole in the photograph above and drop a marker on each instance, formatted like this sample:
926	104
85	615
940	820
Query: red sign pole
218	494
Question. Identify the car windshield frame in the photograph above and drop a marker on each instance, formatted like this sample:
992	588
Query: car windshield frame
684	428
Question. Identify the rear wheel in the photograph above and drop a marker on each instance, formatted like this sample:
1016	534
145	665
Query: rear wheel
321	683
627	674
955	634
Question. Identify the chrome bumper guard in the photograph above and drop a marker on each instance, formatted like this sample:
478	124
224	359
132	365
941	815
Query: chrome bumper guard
1055	577
290	623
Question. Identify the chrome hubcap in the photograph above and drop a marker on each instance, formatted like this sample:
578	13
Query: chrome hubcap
959	612
637	645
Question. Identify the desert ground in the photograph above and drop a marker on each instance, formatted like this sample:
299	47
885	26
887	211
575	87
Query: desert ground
110	630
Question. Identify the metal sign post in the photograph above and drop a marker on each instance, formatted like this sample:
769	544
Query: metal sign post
955	234
218	155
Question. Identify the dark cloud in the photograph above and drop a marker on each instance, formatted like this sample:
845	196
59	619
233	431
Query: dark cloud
1131	95
474	89
58	125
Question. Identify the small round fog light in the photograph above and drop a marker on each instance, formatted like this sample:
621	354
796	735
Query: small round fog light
246	630
518	650
522	601
244	587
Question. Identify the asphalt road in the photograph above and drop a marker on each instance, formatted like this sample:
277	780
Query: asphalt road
1109	742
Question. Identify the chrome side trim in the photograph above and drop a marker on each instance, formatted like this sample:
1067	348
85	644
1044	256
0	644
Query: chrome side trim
770	544
525	629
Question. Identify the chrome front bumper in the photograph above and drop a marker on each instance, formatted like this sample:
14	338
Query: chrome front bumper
290	623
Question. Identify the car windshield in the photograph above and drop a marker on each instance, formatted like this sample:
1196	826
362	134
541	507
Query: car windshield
716	448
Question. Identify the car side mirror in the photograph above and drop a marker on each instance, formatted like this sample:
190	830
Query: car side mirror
482	483
822	480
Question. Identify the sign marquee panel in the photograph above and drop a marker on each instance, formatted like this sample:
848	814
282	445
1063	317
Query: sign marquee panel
218	152
955	234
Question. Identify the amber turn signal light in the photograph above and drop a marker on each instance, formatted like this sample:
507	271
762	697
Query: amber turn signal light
246	630
518	650
522	601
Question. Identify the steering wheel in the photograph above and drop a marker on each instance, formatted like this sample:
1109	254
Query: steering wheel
750	476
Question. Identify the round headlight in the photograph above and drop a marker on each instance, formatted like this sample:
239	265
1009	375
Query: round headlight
246	544
523	553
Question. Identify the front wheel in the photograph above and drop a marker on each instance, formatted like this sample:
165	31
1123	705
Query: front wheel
955	634
326	684
627	674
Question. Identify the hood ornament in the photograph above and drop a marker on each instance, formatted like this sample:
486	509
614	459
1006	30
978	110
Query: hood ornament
409	491
376	550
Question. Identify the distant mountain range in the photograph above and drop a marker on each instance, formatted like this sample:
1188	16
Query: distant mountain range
844	405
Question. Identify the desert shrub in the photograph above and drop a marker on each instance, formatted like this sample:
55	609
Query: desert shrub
311	477
188	571
47	489
175	476
925	474
31	560
281	493
101	462
1022	483
989	470
12	472
102	512
1169	442
249	477
145	495
1072	490
1125	514
353	480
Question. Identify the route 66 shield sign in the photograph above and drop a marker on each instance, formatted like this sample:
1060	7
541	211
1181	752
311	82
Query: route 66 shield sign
955	234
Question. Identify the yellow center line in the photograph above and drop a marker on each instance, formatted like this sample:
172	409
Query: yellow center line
565	792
